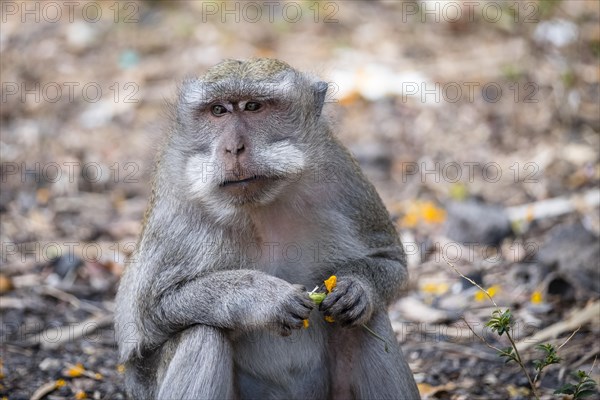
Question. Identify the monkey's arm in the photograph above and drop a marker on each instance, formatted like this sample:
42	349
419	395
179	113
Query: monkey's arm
375	278
231	299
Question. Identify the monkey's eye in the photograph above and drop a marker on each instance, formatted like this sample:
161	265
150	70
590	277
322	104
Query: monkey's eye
218	110
252	106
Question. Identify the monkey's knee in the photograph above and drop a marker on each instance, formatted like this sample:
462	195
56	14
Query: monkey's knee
201	366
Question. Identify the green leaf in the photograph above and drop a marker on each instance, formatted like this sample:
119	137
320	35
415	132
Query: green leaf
567	388
508	353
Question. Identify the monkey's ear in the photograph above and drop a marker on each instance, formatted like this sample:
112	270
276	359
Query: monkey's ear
320	89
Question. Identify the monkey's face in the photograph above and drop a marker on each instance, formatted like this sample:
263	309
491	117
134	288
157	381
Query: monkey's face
245	130
255	150
245	150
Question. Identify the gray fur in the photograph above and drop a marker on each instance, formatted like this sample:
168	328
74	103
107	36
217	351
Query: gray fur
212	302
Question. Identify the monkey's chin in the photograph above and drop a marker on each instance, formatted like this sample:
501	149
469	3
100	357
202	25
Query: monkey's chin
254	190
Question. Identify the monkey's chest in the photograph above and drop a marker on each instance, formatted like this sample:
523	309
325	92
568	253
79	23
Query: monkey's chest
286	251
297	245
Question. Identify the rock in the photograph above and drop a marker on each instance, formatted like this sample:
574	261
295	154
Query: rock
574	252
50	364
65	265
476	222
81	35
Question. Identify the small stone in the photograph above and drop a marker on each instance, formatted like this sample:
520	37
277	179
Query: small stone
476	222
573	251
50	364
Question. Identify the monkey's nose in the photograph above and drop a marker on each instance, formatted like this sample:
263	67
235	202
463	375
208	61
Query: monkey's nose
235	148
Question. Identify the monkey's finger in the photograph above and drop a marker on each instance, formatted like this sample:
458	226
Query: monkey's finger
333	297
345	305
305	301
297	309
293	322
298	315
308	304
355	315
285	331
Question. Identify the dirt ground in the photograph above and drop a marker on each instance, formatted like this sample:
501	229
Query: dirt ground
478	122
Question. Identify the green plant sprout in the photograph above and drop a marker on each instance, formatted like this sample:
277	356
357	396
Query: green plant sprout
501	322
585	386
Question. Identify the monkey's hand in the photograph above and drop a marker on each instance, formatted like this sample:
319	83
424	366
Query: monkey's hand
350	303
292	306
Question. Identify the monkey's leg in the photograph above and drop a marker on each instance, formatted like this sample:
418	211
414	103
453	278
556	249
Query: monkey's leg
362	369
201	368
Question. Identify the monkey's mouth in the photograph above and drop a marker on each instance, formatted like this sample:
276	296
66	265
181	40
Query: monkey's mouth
243	181
247	189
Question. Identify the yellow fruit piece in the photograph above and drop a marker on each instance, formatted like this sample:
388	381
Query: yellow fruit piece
60	383
330	283
305	323
329	319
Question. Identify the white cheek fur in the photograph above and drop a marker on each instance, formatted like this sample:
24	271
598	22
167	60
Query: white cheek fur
201	174
281	157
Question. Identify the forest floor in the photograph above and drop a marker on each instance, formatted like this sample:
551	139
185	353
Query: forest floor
480	132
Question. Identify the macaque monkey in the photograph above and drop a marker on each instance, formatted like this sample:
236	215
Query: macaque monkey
254	200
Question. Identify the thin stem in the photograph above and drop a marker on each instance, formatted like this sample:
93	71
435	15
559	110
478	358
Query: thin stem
520	362
569	338
470	280
385	343
593	364
517	357
481	338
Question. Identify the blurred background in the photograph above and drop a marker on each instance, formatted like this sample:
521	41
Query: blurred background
478	122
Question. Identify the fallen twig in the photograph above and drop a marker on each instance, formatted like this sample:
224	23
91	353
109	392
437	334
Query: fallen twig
44	390
554	207
577	319
69	298
55	337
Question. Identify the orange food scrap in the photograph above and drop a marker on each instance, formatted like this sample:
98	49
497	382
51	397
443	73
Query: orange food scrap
330	283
